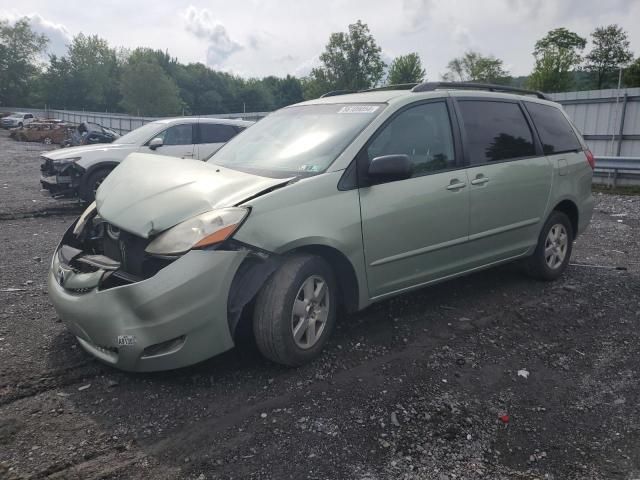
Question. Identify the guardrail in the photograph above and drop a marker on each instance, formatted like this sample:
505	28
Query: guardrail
616	171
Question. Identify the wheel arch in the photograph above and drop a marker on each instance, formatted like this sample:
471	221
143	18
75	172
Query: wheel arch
570	209
345	273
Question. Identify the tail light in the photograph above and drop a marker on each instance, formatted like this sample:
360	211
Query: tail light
590	158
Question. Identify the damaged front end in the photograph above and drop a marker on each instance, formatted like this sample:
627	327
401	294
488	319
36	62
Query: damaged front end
61	178
140	311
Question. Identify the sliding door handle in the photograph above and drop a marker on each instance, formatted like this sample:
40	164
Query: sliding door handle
456	186
479	181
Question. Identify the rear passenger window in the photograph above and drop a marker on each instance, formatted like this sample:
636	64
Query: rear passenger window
212	133
495	131
555	131
423	133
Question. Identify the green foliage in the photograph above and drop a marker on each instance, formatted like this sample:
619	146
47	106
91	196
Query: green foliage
351	61
632	74
146	88
20	48
610	52
556	55
475	67
406	69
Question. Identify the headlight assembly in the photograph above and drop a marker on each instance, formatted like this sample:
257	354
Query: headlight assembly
204	230
83	219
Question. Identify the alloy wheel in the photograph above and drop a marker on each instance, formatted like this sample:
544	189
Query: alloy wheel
310	312
555	246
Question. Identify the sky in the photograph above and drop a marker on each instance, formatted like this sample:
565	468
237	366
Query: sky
256	38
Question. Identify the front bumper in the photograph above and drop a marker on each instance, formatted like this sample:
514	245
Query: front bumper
61	180
175	318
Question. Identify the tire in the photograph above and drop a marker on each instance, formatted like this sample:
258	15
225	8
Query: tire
93	182
553	252
275	320
20	125
47	141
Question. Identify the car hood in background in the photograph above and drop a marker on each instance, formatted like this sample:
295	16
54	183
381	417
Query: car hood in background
91	149
147	194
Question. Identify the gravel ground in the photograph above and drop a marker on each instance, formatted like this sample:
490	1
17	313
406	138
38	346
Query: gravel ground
492	376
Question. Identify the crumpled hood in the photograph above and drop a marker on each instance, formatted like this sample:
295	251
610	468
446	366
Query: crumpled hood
88	149
147	194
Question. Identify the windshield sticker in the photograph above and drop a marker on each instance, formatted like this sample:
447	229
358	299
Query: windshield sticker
310	168
359	109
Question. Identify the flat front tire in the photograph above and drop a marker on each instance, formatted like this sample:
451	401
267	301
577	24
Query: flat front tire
295	310
553	252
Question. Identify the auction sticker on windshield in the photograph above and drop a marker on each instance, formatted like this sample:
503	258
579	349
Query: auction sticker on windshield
126	340
359	109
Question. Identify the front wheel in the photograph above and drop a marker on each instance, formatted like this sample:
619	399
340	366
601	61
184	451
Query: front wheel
296	310
94	181
553	251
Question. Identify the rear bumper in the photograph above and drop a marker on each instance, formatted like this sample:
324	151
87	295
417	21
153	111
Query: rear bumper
175	318
585	213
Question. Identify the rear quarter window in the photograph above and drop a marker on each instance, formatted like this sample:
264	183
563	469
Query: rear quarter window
556	134
495	131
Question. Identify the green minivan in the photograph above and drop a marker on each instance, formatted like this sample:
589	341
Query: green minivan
324	206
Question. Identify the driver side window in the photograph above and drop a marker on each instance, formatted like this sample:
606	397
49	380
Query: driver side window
423	133
177	135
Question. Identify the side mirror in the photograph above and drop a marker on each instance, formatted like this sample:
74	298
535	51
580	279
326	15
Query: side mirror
389	168
155	143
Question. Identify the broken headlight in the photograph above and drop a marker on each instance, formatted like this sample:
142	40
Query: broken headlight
82	221
198	232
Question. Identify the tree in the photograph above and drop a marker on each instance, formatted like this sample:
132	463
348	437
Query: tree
20	48
406	69
474	67
146	88
351	61
632	74
94	73
556	55
609	53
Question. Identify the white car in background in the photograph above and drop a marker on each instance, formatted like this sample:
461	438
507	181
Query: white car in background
79	171
17	119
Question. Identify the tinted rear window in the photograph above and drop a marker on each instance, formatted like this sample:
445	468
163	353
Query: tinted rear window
212	133
555	131
495	131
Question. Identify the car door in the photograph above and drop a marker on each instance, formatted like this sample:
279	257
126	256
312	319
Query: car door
211	136
414	231
510	178
177	141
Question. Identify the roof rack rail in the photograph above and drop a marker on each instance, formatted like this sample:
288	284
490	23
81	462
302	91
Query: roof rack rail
398	86
431	86
334	93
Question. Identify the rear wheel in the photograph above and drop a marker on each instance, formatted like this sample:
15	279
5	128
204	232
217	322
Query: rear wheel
553	251
295	310
47	141
94	180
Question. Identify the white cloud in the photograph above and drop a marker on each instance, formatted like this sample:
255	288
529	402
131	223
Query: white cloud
57	33
203	25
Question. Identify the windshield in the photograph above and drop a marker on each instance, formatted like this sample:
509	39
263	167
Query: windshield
141	135
295	140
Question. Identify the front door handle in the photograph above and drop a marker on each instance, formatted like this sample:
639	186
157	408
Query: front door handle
456	185
479	180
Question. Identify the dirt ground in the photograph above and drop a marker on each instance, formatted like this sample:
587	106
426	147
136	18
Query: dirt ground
493	376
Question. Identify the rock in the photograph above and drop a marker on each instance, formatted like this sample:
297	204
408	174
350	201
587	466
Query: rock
394	419
37	259
263	415
29	282
112	383
84	387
